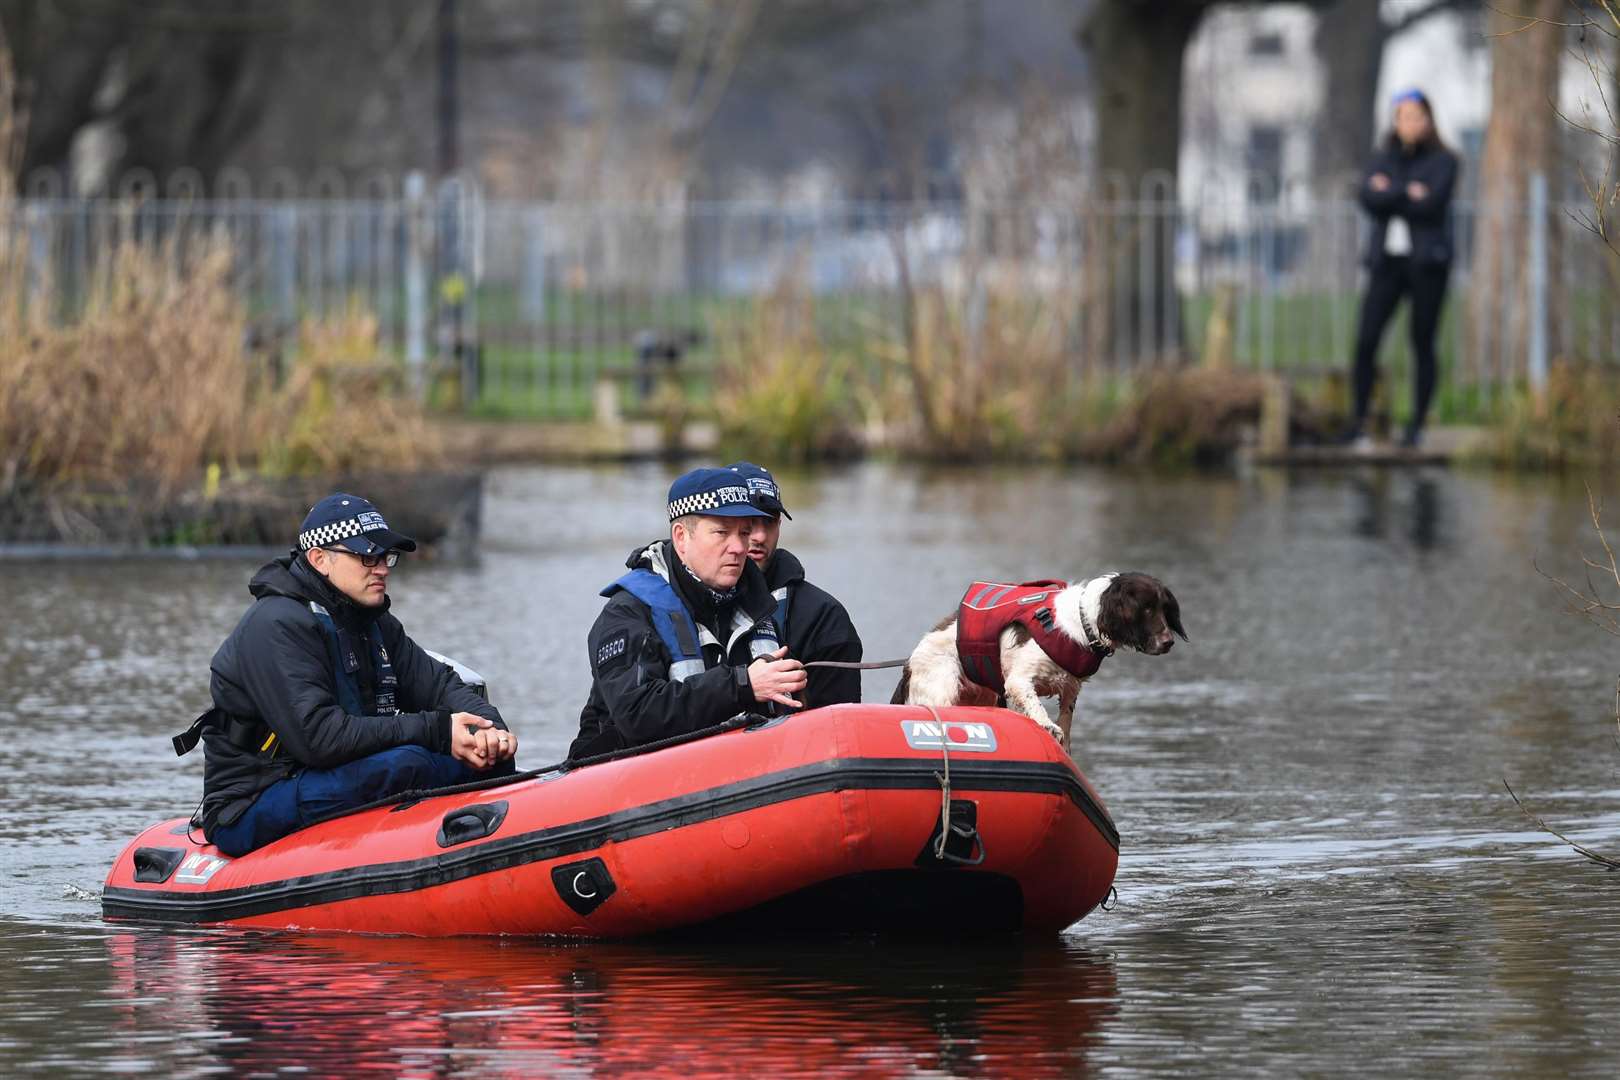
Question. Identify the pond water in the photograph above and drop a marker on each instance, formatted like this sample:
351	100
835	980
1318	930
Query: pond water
1320	869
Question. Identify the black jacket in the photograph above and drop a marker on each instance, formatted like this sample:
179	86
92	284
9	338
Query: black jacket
818	629
276	669
633	701
1429	218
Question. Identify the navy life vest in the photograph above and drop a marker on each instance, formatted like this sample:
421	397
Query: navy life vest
989	607
681	634
252	733
784	600
340	647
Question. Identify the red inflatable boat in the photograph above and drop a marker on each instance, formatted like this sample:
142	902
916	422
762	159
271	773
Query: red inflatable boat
854	817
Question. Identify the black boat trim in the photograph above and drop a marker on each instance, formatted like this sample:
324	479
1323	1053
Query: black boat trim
574	838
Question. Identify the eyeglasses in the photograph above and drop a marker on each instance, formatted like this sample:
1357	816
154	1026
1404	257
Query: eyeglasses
387	558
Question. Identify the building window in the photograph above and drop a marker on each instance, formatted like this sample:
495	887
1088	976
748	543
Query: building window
1266	43
1265	161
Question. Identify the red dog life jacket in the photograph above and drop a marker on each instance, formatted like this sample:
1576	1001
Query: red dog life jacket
989	607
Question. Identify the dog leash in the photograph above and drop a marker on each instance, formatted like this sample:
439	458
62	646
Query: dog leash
869	665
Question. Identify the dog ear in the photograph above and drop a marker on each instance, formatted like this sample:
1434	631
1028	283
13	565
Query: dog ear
1172	612
1119	613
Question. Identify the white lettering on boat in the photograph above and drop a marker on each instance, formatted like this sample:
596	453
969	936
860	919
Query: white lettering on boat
928	735
198	868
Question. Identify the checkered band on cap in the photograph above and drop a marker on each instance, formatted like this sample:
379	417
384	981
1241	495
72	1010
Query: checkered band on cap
321	535
708	500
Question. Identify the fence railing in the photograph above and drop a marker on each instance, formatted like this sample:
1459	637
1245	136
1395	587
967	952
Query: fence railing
536	302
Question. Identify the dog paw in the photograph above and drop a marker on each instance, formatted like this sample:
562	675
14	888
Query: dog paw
1052	730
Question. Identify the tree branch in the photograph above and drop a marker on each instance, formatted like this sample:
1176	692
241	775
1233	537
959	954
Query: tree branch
1600	859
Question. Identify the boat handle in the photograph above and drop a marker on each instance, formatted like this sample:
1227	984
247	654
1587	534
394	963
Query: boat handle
584	885
473	822
153	865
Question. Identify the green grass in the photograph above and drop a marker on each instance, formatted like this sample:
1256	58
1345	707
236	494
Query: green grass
547	368
520	383
1313	334
608	315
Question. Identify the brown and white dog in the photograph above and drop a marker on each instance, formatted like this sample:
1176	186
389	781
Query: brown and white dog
1051	638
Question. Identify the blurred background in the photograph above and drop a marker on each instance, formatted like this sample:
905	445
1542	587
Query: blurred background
949	229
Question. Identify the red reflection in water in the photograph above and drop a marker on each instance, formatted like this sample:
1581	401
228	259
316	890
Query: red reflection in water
459	1007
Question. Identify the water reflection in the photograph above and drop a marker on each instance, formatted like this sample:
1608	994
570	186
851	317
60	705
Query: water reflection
1405	502
472	1007
1321	873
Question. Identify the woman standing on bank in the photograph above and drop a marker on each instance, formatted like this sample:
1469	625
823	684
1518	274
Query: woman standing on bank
1407	190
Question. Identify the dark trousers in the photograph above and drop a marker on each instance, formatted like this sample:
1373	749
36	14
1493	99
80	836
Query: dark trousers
1392	278
288	805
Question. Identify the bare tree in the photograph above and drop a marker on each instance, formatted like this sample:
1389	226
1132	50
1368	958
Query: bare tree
1600	23
1527	42
1136	48
59	63
181	84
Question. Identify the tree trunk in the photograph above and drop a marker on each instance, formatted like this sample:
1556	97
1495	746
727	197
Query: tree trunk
59	65
194	99
1349	40
1136	49
1521	139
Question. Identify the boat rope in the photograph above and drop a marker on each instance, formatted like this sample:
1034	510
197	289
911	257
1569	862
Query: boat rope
948	828
741	720
944	785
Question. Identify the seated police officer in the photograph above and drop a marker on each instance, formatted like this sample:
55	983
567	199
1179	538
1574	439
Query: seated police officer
815	624
321	701
687	638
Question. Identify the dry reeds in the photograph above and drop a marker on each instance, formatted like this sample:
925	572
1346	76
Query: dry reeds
975	373
343	408
147	383
963	379
150	382
1570	424
1183	416
781	393
989	374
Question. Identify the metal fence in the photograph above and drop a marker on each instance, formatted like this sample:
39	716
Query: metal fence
533	304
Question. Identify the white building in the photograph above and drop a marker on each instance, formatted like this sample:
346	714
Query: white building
1254	85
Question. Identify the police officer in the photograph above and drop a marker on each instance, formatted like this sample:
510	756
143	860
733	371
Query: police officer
816	624
321	701
688	637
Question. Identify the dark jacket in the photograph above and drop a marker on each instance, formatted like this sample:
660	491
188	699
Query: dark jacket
818	629
1429	218
633	701
276	669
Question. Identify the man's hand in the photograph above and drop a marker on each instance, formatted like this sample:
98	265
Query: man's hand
1378	182
498	745
1416	191
478	742
774	678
